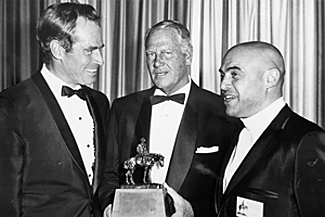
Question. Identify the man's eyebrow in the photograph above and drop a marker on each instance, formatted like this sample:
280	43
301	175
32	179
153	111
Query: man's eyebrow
230	68
233	68
95	47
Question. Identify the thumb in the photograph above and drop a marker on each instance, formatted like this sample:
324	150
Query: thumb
171	191
183	207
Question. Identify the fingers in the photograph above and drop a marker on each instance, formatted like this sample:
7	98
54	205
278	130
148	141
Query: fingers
172	193
182	207
108	211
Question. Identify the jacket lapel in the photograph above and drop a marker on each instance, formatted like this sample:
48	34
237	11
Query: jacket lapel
185	143
60	120
99	136
261	148
219	188
142	129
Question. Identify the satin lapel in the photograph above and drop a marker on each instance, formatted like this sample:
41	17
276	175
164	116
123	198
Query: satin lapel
185	143
99	136
142	129
228	154
261	148
60	120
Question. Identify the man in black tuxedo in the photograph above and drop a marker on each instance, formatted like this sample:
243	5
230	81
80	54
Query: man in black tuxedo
184	123
275	167
53	138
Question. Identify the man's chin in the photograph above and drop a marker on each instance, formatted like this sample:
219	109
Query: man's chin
161	87
90	82
231	112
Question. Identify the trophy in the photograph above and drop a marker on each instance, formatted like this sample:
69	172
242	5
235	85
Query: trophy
146	199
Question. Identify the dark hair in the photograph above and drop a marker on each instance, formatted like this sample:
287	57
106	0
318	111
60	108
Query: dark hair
58	22
181	30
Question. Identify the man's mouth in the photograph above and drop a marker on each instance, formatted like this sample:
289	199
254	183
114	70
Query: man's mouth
160	74
93	71
228	97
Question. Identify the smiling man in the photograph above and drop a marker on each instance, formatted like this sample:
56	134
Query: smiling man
179	120
275	167
53	127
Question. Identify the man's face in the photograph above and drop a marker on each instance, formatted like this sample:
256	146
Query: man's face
242	83
166	62
80	66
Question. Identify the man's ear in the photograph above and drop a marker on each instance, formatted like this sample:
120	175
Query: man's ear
56	49
188	57
272	77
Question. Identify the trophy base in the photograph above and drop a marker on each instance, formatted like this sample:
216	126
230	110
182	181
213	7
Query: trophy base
140	201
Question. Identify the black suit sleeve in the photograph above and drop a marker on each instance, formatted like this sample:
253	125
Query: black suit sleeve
111	176
11	161
310	175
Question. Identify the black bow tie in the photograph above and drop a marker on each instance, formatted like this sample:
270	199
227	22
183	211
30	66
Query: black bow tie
179	98
67	91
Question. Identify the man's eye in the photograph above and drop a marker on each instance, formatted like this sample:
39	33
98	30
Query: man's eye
150	56
167	53
234	73
88	51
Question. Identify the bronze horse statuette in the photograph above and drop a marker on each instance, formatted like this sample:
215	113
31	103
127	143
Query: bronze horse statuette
143	159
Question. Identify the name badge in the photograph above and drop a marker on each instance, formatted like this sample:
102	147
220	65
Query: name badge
248	208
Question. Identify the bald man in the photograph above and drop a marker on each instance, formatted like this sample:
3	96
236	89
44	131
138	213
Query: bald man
276	165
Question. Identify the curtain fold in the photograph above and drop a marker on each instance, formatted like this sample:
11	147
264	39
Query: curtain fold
18	41
320	66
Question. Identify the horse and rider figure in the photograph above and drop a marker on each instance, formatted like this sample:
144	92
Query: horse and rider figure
142	159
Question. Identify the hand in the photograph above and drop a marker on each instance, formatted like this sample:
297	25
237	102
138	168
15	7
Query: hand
108	211
182	207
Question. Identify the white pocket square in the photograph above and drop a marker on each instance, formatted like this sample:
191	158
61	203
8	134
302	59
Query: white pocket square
207	150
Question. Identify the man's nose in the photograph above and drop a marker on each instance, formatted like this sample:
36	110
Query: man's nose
98	57
158	62
225	83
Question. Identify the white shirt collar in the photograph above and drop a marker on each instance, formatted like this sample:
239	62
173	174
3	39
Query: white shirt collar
54	82
257	123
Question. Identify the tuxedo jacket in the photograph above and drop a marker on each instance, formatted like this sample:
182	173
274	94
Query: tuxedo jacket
41	169
203	124
284	171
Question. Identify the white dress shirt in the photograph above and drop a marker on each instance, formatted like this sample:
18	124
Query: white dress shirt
165	121
254	127
78	117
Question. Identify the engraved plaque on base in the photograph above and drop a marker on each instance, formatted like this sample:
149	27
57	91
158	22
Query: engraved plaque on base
139	202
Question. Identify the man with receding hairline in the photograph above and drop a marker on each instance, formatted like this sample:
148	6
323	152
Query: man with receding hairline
275	167
178	119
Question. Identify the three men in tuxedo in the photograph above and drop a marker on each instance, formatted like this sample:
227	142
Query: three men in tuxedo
275	167
184	123
53	139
